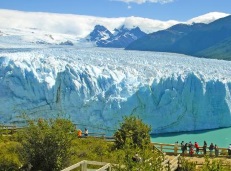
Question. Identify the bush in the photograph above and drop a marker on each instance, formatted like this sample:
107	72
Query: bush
135	129
186	165
215	165
91	148
133	138
9	156
148	160
47	143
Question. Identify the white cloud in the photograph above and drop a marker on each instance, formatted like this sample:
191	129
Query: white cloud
144	1
207	18
80	25
129	6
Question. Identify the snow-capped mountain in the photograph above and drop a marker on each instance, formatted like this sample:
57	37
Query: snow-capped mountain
31	28
121	38
97	87
43	75
99	33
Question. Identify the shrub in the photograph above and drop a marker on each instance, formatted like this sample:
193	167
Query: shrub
132	127
9	156
91	148
215	165
47	143
186	165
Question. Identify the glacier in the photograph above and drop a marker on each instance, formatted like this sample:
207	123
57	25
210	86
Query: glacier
98	86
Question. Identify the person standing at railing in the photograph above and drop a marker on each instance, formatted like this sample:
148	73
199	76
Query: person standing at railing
216	150
189	146
229	150
191	151
86	132
204	147
182	147
197	147
185	148
79	133
211	148
176	148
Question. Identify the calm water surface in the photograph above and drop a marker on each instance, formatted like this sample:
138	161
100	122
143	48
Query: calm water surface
221	137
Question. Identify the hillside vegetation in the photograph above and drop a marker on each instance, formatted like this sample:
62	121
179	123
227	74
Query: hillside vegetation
203	40
51	145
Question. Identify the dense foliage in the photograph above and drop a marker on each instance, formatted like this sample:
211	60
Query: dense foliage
215	165
10	159
134	129
54	145
47	143
186	165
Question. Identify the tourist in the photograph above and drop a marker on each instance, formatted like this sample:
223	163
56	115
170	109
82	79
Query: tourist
211	148
136	158
176	147
79	133
191	151
197	147
216	150
185	147
190	146
204	147
229	150
182	147
86	132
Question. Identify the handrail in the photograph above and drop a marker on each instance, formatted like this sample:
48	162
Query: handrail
174	163
7	129
84	164
74	166
173	149
104	167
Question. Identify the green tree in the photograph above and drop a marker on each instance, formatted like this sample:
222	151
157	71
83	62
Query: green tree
133	137
134	128
148	159
9	156
47	143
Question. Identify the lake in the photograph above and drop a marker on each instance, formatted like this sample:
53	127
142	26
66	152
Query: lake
221	137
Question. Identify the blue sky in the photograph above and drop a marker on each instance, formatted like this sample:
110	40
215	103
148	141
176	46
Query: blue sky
180	10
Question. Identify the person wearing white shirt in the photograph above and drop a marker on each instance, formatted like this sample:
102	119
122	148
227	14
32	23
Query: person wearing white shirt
229	150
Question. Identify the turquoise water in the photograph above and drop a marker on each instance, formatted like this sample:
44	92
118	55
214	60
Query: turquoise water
221	137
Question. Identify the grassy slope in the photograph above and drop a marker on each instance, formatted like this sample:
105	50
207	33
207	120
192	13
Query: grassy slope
220	50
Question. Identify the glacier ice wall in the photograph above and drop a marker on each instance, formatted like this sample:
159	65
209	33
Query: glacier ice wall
94	86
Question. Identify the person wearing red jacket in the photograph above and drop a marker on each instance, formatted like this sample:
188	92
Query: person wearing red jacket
197	147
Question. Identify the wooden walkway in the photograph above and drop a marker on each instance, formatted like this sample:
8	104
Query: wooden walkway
8	129
83	165
172	149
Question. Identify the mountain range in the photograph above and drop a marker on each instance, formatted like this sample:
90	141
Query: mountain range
211	40
204	36
121	38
